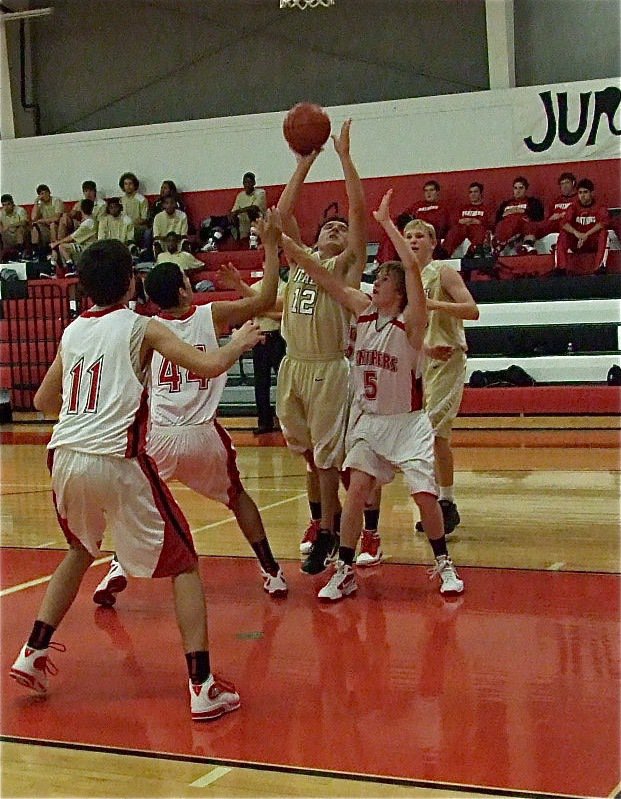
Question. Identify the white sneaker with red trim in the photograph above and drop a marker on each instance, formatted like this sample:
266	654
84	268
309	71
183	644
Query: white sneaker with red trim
275	584
341	584
32	666
310	536
370	549
212	699
113	583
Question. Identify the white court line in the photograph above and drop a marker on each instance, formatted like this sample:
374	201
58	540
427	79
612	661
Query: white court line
261	509
556	567
212	776
40	580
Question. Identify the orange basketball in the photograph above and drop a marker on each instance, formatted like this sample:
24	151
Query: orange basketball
306	128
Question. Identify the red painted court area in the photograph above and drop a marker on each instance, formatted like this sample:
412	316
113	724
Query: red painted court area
512	686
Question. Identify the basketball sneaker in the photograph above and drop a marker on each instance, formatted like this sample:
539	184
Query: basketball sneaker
321	551
32	666
113	583
450	516
370	549
450	584
212	699
310	536
341	584
274	585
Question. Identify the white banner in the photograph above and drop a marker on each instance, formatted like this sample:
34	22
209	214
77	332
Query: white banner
577	122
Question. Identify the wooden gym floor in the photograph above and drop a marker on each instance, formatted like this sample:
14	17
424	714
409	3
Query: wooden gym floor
511	690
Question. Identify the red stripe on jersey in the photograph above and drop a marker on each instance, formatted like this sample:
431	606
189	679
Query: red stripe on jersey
190	312
137	431
236	486
103	311
178	554
371	317
398	323
416	403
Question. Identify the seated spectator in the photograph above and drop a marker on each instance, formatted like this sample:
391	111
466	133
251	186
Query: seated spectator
585	229
45	216
431	210
249	205
114	224
474	221
174	254
386	249
85	234
567	197
134	205
171	219
167	189
14	228
515	220
69	222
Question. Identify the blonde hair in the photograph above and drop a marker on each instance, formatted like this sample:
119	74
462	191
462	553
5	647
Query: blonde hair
419	224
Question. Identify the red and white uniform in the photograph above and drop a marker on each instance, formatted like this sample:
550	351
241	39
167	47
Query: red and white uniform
101	475
435	214
582	218
474	233
185	440
391	432
104	408
561	206
386	369
518	218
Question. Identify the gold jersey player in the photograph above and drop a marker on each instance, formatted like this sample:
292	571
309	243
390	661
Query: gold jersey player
449	303
389	429
312	389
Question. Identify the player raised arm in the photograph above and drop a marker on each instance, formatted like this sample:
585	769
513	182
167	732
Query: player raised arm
229	314
351	262
415	313
352	299
289	197
206	364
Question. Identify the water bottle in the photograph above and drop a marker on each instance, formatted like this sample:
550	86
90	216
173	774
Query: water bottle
253	240
570	348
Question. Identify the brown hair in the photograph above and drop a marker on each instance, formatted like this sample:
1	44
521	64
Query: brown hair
397	271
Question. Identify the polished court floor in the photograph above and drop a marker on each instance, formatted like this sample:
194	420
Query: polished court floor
510	690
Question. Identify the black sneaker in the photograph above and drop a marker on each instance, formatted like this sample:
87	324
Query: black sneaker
450	514
321	550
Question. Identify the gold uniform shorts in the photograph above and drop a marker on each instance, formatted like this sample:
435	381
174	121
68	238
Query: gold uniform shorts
312	400
443	386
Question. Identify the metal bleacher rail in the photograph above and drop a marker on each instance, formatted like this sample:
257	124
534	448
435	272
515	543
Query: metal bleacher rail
34	325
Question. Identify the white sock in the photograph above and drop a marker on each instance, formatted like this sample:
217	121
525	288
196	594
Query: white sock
447	492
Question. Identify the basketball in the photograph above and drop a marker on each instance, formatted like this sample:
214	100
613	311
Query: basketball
306	128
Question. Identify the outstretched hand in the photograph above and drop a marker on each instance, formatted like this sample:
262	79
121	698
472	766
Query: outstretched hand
269	227
306	159
341	142
248	335
382	215
291	248
228	277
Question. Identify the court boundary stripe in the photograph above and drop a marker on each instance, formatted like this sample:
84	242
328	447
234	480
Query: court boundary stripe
299	770
386	562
